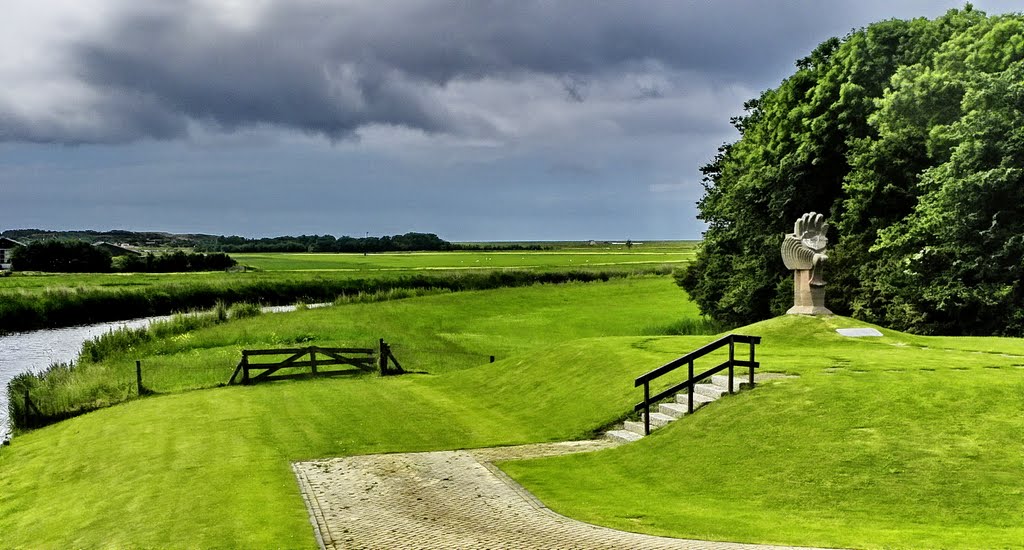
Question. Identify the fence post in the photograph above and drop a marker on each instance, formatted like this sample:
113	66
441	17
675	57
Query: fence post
245	368
312	359
647	407
690	390
492	359
382	358
751	369
138	376
732	358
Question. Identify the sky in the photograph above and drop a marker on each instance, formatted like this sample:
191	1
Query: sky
477	120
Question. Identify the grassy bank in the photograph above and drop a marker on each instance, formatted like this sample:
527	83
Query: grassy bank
900	442
56	306
436	334
211	468
879	443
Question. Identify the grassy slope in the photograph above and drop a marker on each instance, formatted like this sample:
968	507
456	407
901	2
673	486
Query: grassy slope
878	443
210	468
434	334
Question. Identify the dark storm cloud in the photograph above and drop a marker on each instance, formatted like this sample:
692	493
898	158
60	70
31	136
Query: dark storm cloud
332	68
280	74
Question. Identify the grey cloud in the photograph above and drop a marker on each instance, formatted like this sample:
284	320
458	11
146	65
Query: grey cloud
331	68
255	78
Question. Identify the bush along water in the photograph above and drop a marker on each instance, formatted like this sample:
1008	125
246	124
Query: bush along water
66	307
65	390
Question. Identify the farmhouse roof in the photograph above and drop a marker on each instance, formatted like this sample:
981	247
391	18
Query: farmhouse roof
6	243
116	249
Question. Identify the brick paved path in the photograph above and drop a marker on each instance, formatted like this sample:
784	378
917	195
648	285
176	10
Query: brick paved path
452	499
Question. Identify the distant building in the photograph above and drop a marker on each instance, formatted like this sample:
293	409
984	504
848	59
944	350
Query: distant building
116	250
6	246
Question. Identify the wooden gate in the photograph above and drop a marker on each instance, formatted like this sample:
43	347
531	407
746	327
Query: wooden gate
313	358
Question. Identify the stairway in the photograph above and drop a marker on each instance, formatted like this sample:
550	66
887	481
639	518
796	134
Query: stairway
703	394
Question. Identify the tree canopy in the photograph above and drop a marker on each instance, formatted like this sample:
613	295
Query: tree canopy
72	256
910	135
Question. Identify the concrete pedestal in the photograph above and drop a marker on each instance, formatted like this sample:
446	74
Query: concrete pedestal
807	299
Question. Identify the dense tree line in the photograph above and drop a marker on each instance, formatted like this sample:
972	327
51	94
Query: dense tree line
504	247
134	238
910	135
82	257
174	262
61	257
328	243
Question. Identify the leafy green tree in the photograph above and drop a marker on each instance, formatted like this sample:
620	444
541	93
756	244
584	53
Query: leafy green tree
905	133
955	264
61	257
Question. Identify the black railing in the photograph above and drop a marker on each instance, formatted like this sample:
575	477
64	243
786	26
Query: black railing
688	359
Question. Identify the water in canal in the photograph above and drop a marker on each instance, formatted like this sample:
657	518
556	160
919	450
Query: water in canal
35	350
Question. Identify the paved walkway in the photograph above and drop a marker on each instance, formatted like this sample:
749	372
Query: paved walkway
453	499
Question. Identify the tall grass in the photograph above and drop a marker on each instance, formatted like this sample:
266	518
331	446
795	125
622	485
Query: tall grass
688	326
64	390
386	295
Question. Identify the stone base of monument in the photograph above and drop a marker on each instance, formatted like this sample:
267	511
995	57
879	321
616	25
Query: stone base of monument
807	299
808	310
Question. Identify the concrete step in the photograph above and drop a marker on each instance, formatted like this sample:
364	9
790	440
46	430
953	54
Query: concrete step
675	410
738	382
699	400
633	426
659	419
622	436
710	390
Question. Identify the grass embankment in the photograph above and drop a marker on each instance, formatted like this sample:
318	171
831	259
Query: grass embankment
901	441
877	443
211	468
435	334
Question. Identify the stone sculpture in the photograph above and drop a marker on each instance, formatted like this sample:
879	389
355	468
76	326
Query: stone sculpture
803	251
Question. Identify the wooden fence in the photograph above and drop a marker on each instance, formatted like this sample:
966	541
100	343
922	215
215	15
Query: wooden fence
315	358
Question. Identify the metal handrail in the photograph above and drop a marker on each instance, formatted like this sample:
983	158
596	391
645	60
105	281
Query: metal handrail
688	359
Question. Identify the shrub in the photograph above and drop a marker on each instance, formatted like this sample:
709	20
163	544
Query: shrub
61	257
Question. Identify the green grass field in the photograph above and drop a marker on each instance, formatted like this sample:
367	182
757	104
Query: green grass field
45	300
901	441
413	261
435	334
277	268
879	443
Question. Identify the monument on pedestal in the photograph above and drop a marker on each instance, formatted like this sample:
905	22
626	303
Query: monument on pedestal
803	251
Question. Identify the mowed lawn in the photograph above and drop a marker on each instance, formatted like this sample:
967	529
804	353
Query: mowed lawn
899	441
434	334
893	442
211	468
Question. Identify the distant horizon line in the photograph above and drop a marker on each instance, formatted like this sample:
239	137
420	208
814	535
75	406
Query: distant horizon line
456	241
